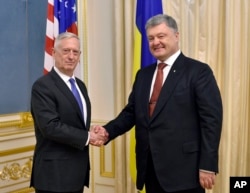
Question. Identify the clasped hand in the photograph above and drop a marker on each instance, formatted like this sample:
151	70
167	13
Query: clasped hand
98	135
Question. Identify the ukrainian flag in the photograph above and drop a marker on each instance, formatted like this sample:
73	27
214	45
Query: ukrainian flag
142	57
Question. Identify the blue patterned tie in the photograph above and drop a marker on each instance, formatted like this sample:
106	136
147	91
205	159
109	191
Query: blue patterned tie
76	93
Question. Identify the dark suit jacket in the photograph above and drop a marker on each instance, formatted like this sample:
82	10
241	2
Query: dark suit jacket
183	133
61	159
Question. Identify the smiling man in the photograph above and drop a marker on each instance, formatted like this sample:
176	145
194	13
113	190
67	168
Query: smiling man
61	110
176	107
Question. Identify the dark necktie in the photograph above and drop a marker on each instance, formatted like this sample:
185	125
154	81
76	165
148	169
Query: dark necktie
156	88
76	93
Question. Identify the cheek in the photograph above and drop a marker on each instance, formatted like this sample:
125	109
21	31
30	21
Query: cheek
151	45
63	59
78	58
58	58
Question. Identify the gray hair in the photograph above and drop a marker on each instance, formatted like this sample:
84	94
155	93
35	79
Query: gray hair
64	35
162	18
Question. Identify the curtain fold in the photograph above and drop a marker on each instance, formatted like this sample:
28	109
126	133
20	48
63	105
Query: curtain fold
123	26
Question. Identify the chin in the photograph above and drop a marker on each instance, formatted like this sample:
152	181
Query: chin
158	56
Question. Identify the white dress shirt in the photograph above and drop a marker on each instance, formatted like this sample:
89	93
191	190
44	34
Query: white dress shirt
66	78
170	61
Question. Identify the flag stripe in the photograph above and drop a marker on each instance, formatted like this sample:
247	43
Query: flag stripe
61	17
73	28
50	29
142	57
49	45
137	52
145	10
50	16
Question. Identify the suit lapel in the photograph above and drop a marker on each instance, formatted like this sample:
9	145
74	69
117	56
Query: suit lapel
86	97
170	83
66	91
145	92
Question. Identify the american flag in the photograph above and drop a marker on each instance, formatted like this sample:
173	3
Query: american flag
61	17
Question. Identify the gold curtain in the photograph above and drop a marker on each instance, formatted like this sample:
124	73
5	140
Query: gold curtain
217	33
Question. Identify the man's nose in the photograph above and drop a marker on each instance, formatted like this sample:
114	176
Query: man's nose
71	53
156	41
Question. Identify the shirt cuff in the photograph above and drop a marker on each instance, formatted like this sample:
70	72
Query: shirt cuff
211	172
87	142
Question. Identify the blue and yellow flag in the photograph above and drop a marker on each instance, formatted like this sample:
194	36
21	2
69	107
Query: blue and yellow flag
142	56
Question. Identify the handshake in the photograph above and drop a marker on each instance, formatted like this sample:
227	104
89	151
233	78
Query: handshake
98	135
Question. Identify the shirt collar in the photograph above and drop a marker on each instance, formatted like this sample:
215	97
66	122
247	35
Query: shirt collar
170	61
63	76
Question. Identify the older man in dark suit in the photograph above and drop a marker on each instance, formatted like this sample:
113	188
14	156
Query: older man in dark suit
177	130
62	121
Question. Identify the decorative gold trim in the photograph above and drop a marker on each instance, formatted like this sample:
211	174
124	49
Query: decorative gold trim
82	24
23	190
99	122
26	120
85	42
11	124
16	131
16	184
16	150
82	8
15	171
92	184
21	120
103	171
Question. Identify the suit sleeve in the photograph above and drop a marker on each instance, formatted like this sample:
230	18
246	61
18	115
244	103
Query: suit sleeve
209	105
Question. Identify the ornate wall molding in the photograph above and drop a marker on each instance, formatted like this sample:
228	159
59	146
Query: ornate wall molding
16	150
16	171
12	124
20	120
104	172
23	190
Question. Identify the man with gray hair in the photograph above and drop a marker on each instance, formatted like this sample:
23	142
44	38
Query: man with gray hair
61	110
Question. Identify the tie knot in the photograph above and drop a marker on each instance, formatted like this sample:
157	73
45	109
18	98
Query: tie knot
161	66
72	80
